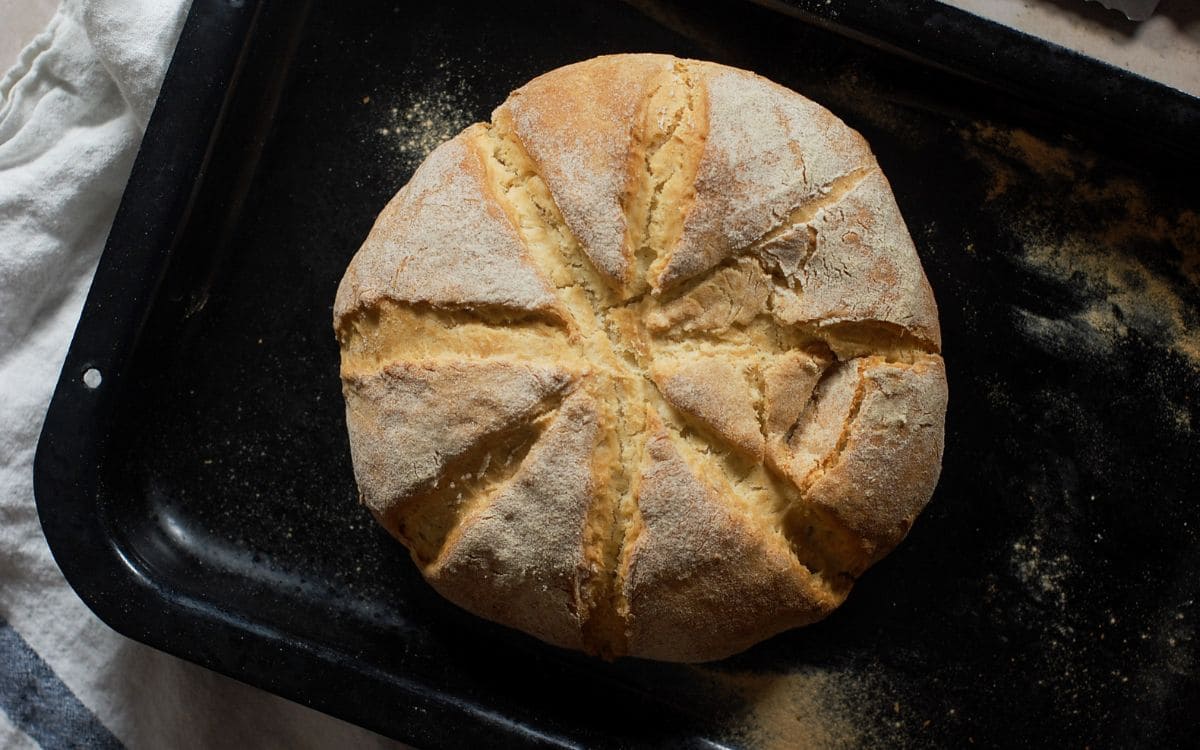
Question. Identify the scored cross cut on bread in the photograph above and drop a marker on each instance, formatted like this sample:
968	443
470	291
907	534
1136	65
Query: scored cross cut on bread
647	365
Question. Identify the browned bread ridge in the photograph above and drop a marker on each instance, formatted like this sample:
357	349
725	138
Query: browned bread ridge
647	365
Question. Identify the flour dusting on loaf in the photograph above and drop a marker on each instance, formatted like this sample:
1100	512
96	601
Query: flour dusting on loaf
647	365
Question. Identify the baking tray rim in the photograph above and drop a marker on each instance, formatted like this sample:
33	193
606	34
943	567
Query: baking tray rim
118	588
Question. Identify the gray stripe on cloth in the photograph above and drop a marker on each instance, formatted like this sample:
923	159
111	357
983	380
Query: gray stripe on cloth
40	705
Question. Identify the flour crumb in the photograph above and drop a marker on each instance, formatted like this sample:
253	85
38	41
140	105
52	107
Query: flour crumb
806	709
417	120
1043	575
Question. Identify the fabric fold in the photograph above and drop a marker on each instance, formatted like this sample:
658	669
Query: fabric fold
72	114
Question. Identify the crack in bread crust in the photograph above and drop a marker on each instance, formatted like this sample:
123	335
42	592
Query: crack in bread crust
696	361
428	521
669	136
825	197
624	360
584	298
389	331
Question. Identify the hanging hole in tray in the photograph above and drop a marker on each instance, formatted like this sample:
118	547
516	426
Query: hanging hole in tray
92	378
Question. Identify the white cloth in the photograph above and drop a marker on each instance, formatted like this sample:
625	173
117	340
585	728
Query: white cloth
72	113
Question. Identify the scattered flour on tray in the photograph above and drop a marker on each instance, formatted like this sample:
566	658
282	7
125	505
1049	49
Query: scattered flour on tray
819	708
1043	574
418	120
802	710
1136	269
1123	295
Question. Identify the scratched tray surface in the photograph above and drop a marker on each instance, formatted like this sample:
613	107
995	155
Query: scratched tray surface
1046	596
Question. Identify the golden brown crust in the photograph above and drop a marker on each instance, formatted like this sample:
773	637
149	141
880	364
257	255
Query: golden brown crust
408	420
516	560
704	582
863	266
646	366
789	382
731	296
900	413
716	394
585	167
444	240
768	151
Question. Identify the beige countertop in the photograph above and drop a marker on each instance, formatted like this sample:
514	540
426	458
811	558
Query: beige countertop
1165	48
20	22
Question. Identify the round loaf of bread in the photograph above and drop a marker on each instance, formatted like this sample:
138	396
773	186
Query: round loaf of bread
647	365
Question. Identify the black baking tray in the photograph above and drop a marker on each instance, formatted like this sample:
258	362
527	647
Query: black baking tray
201	498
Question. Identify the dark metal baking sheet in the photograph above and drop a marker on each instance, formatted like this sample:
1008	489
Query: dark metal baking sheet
1123	106
201	499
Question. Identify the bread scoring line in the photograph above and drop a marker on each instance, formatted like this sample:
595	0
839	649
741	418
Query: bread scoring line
624	357
494	474
825	197
588	314
625	360
644	194
557	254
